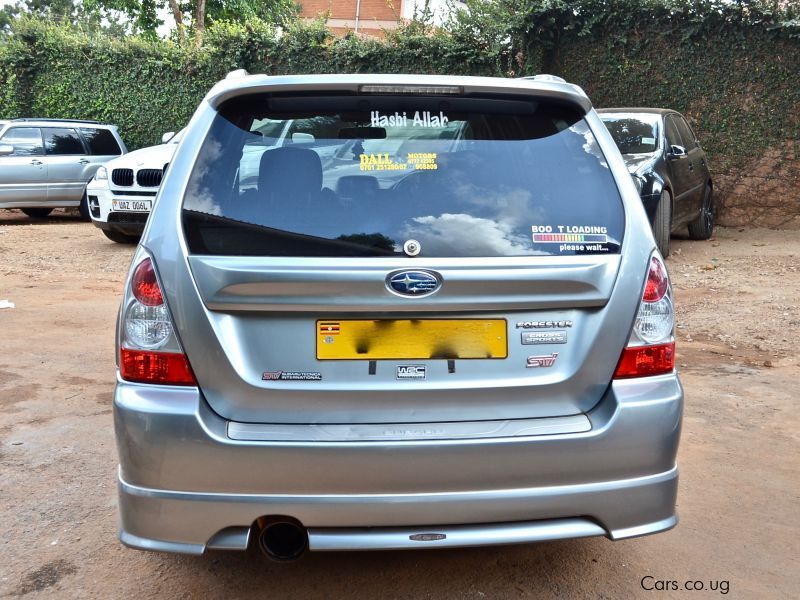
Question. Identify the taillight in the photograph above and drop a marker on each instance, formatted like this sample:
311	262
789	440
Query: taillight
651	348
657	281
144	284
640	361
149	349
168	368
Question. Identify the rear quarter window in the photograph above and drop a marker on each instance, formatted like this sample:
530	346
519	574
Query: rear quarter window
101	142
362	176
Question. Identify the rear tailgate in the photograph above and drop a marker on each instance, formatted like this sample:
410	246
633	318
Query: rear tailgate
262	317
291	313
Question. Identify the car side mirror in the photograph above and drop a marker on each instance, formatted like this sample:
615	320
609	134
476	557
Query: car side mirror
167	137
5	150
676	151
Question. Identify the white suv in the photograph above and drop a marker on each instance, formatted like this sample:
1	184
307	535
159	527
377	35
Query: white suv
121	194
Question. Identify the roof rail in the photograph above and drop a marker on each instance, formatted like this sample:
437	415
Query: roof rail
545	77
237	73
59	121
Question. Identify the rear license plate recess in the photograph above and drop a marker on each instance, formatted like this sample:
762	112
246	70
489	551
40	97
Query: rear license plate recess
411	339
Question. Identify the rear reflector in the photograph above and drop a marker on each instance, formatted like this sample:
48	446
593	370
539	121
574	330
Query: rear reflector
168	368
641	361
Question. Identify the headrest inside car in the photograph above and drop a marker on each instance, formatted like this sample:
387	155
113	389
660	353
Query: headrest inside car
290	171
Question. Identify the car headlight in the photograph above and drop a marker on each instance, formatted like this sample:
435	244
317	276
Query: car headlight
101	174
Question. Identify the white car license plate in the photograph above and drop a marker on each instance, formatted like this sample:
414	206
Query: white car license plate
131	205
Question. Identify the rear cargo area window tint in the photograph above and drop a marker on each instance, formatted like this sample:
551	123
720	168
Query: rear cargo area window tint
364	175
101	142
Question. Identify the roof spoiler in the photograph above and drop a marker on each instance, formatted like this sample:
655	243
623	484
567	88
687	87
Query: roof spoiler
551	87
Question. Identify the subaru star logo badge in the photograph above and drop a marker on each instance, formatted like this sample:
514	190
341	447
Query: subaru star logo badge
413	283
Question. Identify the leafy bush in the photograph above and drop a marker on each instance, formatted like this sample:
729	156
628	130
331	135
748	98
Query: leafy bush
731	66
148	87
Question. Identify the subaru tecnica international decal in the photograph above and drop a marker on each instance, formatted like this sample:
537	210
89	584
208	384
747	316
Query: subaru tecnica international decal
413	283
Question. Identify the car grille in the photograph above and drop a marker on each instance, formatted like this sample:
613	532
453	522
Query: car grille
122	177
149	177
125	217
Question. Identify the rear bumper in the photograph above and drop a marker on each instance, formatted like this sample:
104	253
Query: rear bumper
184	486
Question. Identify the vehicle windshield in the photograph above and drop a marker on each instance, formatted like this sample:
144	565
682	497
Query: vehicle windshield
633	133
365	175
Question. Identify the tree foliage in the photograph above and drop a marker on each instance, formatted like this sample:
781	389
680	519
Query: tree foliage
141	17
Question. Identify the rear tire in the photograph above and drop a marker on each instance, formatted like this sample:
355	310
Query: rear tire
662	226
702	227
37	213
121	238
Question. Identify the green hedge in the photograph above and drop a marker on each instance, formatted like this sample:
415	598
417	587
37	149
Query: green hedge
740	88
735	77
148	87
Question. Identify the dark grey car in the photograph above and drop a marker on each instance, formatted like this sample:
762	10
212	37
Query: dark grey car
669	167
436	318
46	163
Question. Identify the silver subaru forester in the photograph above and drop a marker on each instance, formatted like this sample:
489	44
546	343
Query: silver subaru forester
391	312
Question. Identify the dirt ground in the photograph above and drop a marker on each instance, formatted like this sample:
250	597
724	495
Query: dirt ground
739	502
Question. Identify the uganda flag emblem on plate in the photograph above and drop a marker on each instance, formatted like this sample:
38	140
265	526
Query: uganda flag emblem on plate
328	327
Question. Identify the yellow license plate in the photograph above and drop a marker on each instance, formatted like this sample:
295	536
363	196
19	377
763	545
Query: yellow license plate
411	339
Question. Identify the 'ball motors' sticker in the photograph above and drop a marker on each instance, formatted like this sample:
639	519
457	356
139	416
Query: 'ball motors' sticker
382	161
423	160
576	238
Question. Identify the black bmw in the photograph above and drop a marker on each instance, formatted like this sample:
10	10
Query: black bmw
669	168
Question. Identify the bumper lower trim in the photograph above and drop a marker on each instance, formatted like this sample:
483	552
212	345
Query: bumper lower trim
647	529
454	536
192	522
141	543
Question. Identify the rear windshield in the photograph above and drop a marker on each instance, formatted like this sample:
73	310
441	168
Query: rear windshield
634	134
385	175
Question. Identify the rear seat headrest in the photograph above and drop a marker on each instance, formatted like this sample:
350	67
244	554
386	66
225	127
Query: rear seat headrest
290	170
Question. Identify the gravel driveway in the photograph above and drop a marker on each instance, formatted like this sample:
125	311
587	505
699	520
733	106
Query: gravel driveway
739	501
